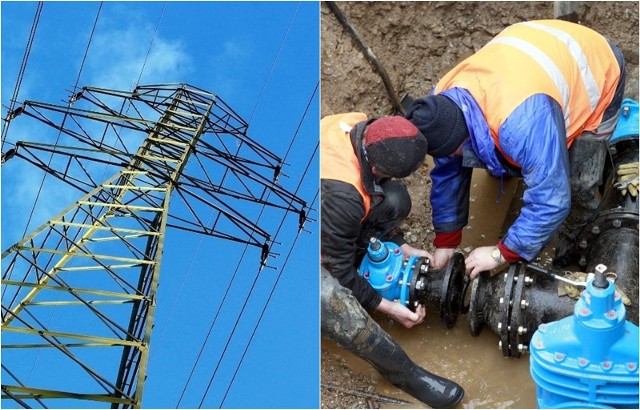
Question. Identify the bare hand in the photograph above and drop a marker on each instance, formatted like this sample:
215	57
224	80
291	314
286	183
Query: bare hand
480	260
401	314
408	251
441	257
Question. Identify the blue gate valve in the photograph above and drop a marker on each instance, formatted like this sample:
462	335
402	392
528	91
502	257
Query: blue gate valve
412	282
386	271
590	359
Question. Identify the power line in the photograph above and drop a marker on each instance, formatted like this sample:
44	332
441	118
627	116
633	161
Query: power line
275	60
64	119
23	66
86	50
59	132
151	43
304	114
226	293
275	283
253	333
256	278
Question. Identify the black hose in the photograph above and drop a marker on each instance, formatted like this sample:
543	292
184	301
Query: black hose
368	53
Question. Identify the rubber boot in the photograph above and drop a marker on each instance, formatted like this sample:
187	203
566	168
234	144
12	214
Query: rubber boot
347	323
379	349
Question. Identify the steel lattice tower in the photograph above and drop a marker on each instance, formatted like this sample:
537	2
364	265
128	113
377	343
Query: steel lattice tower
79	292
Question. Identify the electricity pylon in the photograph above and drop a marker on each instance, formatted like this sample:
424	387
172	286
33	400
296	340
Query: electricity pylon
79	292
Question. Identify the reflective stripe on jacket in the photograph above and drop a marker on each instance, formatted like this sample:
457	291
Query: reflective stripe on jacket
572	64
513	100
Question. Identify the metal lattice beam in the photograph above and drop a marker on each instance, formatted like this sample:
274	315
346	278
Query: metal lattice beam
80	291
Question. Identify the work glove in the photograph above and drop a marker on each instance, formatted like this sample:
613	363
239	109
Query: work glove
628	178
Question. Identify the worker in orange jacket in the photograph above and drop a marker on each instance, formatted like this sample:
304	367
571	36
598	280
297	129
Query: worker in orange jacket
539	102
359	200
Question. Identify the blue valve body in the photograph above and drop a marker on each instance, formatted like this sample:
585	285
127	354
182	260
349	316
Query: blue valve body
386	271
590	359
628	122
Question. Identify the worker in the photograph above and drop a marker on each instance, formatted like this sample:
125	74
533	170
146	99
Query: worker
360	200
539	102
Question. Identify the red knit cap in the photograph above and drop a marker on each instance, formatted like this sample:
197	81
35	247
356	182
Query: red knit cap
394	146
389	127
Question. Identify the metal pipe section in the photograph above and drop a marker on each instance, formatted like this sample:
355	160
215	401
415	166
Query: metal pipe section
612	238
515	302
512	304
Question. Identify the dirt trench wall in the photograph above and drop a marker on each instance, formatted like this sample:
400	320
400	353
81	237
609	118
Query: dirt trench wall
417	42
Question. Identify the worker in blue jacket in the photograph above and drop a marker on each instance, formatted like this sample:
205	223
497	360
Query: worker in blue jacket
538	101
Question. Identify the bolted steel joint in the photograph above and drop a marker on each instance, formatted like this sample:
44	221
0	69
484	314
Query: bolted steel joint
419	284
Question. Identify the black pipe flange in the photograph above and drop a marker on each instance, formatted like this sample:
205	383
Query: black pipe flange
517	330
440	288
475	313
452	289
417	283
506	305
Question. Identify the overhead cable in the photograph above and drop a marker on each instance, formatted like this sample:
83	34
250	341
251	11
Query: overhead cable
23	67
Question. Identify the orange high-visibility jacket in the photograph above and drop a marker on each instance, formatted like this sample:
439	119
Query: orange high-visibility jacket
337	159
563	60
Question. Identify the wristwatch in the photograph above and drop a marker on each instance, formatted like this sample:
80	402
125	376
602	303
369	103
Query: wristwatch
497	256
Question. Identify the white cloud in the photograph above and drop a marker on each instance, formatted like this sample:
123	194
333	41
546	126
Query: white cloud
223	64
117	58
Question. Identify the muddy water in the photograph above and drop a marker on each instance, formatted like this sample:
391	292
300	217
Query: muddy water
490	380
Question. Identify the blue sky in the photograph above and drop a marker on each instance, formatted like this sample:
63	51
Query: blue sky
228	49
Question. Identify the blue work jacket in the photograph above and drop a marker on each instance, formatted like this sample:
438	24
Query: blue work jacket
534	137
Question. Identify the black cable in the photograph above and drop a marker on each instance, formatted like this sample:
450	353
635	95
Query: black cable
366	50
256	278
246	246
23	67
64	119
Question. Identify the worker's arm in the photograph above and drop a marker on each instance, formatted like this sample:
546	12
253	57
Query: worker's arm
534	136
450	206
341	214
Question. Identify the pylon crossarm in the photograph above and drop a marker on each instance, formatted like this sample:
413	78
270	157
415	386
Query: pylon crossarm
235	217
241	172
22	393
136	124
189	183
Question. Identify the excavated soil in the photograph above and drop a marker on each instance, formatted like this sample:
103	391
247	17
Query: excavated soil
416	43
